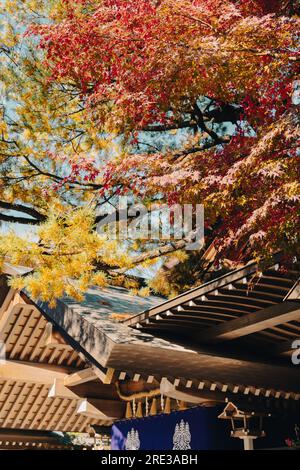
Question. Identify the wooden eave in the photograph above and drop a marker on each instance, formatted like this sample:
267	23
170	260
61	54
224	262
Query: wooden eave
133	352
246	310
65	365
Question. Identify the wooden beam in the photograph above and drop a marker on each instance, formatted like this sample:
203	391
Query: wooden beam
80	377
253	322
23	372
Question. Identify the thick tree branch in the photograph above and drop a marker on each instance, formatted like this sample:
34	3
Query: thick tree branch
200	120
169	127
25	209
200	148
18	220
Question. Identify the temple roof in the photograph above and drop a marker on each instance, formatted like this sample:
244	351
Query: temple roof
77	364
103	302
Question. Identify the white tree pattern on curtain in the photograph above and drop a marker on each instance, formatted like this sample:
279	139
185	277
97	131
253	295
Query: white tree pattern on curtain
182	436
132	440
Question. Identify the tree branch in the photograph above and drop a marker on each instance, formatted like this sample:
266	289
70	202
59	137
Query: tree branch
157	253
169	127
59	179
209	145
18	220
200	119
25	209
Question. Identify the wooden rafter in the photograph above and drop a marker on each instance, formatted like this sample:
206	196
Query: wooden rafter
194	293
253	323
80	377
27	372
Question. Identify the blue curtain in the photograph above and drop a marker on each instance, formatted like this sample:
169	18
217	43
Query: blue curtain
196	429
